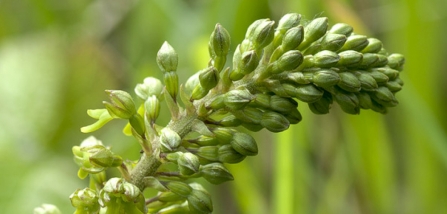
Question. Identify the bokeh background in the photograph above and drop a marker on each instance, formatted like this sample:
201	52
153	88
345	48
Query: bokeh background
57	57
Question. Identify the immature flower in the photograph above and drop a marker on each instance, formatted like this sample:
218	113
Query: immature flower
355	42
244	144
333	42
349	82
209	78
200	202
122	197
348	102
314	31
227	154
150	86
85	201
262	34
47	209
288	21
167	58
374	46
169	140
367	82
350	58
152	108
171	82
341	28
396	61
215	173
248	62
288	61
323	105
282	104
292	38
325	59
325	78
121	105
237	99
188	164
274	122
219	41
180	188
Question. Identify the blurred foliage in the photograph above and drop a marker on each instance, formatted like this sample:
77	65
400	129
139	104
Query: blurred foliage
57	57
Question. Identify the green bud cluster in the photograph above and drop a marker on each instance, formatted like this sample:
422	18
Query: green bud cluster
273	68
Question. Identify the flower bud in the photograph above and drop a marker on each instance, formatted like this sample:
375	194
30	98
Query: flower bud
167	58
350	58
288	21
323	105
298	77
192	83
248	63
275	86
378	107
374	46
367	82
274	122
218	102
171	82
384	97
121	106
200	202
308	93
204	140
326	59
333	42
169	140
368	60
389	72
294	116
396	61
188	164
215	173
249	115
237	99
364	100
244	144
349	82
180	188
393	86
198	93
314	31
292	38
174	209
341	28
378	76
262	34
325	78
209	78
223	135
282	104
152	108
47	209
348	102
230	121
85	200
169	196
227	154
219	41
150	86
105	158
381	61
208	152
355	43
262	100
288	61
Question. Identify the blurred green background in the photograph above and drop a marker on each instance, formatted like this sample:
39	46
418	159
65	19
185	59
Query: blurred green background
57	57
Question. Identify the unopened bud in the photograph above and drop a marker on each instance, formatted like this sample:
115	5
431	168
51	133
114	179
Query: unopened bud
292	38
105	158
262	100
263	34
367	82
368	60
385	97
244	144
215	173
389	72
341	28
171	82
282	104
355	43
350	58
248	63
288	61
85	200
325	78
200	202
180	188
150	86
323	105
121	106
152	108
223	135
325	59
47	209
169	140
220	41
209	78
230	121
349	82
274	122
167	58
333	42
396	61
208	152
348	102
314	31
288	21
249	115
237	99
308	93
188	164
227	154
364	100
378	76
374	46
294	116
394	86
